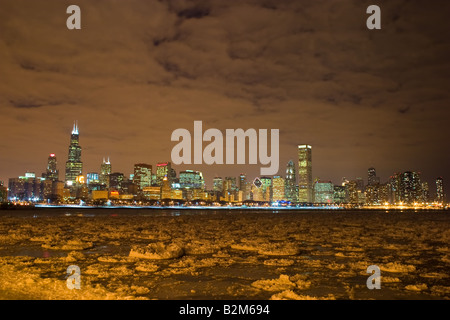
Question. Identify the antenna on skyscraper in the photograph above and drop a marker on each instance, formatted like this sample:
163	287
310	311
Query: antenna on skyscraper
75	127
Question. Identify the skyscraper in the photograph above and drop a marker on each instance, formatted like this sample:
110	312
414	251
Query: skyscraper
243	185
372	177
192	179
218	187
305	181
410	187
439	190
290	181
218	184
164	169
105	171
323	192
278	188
74	166
52	172
142	175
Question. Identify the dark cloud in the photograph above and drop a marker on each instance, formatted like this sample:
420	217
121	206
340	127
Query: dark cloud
140	69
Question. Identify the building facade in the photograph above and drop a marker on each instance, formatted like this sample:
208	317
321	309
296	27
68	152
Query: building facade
305	180
74	166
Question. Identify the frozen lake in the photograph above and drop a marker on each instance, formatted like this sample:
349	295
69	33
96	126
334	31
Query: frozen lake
221	254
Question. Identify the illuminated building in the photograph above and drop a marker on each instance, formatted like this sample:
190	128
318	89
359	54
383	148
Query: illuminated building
360	184
383	193
142	175
218	188
105	171
372	177
99	195
352	192
3	193
230	189
305	181
266	188
52	172
164	169
26	188
425	192
394	183
115	181
152	193
218	184
339	194
74	166
278	187
230	184
166	189
410	187
92	177
372	194
439	190
243	186
323	192
191	179
257	193
290	182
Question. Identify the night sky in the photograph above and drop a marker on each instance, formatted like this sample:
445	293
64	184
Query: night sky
137	70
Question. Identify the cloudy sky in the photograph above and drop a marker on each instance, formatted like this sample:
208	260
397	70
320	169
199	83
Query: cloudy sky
137	70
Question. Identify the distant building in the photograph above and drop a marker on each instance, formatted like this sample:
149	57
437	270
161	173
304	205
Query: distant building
360	184
323	192
352	193
266	188
230	189
278	188
152	193
395	188
52	172
440	190
257	194
290	182
243	186
305	181
410	187
115	181
166	189
425	192
3	193
372	178
164	169
218	188
191	179
142	176
92	177
26	188
339	195
105	171
74	166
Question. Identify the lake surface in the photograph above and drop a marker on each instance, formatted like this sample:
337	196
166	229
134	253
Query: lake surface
224	254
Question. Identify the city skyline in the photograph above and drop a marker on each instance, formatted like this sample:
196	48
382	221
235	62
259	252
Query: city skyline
134	73
401	187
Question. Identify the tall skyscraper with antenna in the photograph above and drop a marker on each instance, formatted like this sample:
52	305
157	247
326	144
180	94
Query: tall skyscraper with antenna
74	166
105	171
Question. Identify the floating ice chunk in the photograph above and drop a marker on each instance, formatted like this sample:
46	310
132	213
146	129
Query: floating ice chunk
157	251
397	267
417	287
291	295
280	284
